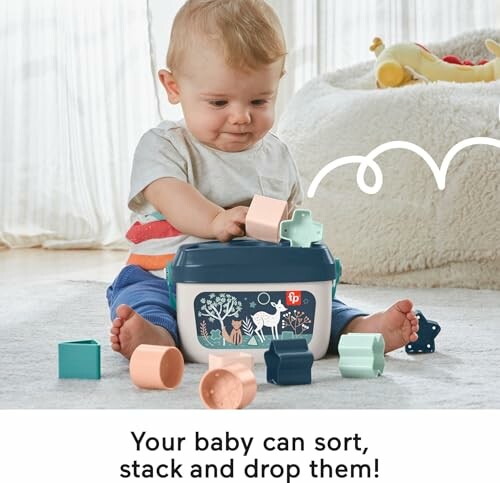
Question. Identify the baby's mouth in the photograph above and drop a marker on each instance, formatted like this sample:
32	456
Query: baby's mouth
237	136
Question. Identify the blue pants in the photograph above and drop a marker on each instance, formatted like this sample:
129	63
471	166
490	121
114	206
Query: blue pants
148	295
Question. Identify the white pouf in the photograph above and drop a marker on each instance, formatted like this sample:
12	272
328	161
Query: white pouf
410	233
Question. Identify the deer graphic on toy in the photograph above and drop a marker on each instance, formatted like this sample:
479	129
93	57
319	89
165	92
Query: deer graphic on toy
265	319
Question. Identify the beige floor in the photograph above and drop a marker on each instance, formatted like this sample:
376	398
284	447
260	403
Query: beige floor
41	264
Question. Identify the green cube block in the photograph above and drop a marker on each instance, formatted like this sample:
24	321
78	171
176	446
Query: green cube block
80	360
361	355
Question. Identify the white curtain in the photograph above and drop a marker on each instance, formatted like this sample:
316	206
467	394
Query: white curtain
78	87
324	35
76	92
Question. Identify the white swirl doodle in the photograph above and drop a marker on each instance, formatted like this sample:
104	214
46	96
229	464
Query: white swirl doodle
368	161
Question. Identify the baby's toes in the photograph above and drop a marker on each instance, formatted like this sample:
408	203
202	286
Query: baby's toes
115	342
408	329
413	337
115	330
116	347
412	317
118	322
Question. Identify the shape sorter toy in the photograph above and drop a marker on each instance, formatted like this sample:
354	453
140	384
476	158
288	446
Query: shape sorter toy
289	362
241	295
264	217
79	360
229	382
361	355
156	367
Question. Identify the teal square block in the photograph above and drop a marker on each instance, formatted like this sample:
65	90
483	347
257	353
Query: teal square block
80	360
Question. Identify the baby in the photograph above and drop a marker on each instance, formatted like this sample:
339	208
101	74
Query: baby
193	180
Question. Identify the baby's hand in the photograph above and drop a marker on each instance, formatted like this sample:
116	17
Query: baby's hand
230	223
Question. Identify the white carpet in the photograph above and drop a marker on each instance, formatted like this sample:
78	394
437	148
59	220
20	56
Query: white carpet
463	373
410	233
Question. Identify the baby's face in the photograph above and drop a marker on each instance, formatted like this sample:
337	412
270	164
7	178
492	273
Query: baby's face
224	108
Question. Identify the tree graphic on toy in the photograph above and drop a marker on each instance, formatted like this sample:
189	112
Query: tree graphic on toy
219	307
298	321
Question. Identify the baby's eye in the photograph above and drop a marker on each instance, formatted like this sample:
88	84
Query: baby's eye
259	102
218	103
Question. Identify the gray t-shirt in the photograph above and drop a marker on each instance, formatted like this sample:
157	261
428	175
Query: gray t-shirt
225	178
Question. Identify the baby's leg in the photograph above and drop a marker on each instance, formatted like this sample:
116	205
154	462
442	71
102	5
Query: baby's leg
342	315
140	311
398	324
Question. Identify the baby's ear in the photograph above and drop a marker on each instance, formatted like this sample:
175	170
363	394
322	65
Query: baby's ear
170	84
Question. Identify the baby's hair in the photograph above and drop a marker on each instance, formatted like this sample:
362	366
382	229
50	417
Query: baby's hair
248	32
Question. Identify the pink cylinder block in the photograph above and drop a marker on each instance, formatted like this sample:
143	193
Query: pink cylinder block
156	367
216	361
230	387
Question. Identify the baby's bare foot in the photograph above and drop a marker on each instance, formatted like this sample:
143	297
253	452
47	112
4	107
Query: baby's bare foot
398	324
129	330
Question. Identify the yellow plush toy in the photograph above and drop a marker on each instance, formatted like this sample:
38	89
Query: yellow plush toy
403	64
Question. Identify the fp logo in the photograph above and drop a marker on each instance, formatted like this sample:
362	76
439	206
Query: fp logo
294	298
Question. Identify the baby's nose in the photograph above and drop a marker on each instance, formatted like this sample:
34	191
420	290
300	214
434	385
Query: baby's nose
240	115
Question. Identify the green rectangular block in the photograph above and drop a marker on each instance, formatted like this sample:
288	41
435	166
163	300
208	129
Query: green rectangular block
80	360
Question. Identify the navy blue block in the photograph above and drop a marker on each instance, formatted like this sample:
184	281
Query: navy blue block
427	332
289	362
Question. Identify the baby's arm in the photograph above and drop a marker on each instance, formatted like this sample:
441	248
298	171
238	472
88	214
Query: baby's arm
296	197
191	213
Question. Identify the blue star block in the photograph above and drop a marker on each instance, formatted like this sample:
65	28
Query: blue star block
427	332
301	230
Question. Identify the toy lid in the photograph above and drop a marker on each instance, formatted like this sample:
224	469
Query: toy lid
250	261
